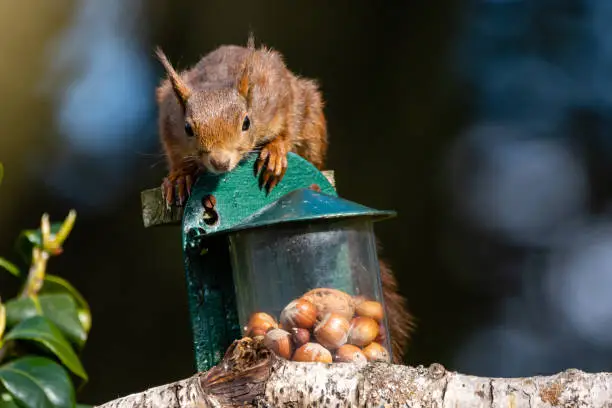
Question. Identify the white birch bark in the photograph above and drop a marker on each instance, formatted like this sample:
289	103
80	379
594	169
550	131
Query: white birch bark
250	376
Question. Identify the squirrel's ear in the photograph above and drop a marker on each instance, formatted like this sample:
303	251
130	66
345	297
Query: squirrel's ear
180	88
243	83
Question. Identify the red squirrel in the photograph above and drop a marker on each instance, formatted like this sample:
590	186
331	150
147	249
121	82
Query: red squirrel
237	100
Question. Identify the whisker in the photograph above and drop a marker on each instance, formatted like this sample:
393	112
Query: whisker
191	159
160	154
157	163
160	157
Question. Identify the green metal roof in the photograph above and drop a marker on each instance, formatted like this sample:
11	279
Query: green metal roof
239	195
241	203
307	205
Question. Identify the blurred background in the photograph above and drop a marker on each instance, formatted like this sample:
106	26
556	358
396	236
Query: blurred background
485	124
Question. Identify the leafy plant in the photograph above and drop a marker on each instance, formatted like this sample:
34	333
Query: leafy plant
44	327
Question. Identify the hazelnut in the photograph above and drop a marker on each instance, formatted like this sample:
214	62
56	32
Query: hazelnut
332	331
370	308
359	299
349	354
258	331
300	336
312	352
363	331
376	352
331	301
299	313
279	341
259	324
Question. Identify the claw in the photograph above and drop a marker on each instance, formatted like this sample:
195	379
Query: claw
188	183
182	183
272	164
167	191
265	177
261	160
282	174
273	182
181	191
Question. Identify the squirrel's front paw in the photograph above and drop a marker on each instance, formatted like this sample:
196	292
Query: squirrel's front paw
272	163
182	182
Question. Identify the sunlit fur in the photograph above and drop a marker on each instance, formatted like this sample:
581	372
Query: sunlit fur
401	322
222	88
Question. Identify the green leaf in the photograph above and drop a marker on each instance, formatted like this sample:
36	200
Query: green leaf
59	308
78	406
31	238
9	266
55	284
43	331
37	382
2	319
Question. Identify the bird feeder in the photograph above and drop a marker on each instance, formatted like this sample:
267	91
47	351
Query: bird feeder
300	262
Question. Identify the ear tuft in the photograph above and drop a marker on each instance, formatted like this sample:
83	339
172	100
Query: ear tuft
180	88
251	41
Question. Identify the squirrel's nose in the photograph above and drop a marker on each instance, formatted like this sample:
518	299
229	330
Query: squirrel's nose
220	164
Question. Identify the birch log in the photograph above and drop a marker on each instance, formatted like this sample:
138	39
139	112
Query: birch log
250	375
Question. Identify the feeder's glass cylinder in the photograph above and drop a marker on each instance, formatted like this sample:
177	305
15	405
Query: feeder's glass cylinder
276	265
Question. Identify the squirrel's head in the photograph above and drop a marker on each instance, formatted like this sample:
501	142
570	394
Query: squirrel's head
216	120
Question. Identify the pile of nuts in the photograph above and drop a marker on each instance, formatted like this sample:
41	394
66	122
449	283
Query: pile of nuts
324	325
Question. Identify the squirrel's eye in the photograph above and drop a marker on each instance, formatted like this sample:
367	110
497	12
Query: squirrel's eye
246	124
188	129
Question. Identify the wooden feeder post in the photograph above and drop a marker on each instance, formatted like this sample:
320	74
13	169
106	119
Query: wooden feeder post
239	203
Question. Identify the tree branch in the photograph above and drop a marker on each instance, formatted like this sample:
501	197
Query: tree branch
250	375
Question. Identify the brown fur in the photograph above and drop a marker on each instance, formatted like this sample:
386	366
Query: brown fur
286	114
401	323
231	82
